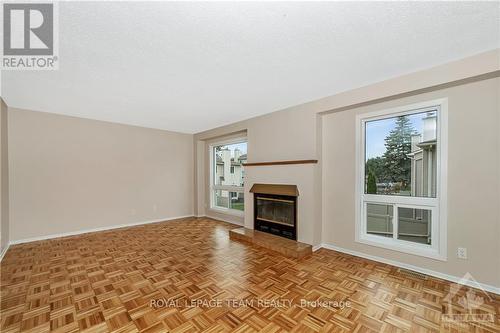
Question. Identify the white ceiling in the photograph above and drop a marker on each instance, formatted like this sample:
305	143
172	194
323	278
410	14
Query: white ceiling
193	66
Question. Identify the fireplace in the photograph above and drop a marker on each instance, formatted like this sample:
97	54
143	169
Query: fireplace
275	209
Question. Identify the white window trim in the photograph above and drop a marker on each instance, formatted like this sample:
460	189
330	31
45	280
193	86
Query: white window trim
438	205
212	187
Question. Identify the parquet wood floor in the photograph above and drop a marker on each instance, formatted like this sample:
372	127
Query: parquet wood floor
105	282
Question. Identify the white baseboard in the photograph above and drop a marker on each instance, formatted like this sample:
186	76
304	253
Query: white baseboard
317	247
223	220
474	284
443	276
4	251
79	232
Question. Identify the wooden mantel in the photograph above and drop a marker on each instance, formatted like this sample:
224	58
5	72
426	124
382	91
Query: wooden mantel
277	189
281	162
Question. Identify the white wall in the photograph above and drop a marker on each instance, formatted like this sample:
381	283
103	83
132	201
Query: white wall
277	136
473	181
4	179
69	174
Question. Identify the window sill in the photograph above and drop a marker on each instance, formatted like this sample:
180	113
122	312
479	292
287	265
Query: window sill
402	246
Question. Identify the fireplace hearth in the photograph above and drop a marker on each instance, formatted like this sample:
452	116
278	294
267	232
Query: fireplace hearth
275	209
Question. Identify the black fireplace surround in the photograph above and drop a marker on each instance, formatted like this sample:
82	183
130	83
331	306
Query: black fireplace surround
275	209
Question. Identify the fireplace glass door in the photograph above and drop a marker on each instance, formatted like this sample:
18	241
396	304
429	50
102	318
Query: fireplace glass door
273	210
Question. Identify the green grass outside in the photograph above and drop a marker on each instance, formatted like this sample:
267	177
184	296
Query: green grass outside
238	206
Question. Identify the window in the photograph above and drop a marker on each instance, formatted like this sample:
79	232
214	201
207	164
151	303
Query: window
227	176
401	187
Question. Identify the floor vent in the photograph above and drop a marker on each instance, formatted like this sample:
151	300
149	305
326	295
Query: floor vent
412	274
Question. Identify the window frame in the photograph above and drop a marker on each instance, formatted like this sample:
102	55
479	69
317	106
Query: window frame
438	205
212	178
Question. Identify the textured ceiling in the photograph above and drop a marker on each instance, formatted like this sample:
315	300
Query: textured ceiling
193	66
